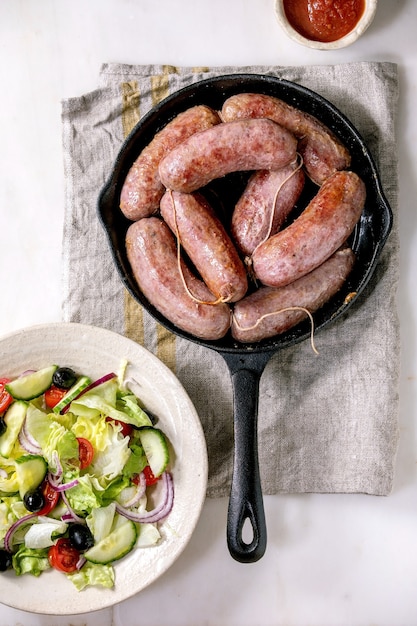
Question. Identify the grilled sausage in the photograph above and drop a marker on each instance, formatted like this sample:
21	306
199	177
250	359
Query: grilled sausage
142	189
260	315
322	152
238	146
152	254
207	244
264	205
316	234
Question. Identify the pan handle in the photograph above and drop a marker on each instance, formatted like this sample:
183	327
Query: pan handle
246	511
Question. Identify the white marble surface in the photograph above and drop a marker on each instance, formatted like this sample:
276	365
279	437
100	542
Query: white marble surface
331	560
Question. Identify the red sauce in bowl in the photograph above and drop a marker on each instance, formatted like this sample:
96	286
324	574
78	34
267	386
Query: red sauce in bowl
324	20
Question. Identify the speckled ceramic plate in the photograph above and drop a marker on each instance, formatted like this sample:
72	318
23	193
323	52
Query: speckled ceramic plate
95	352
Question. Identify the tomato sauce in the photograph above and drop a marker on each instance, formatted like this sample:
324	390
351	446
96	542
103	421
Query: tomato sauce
324	20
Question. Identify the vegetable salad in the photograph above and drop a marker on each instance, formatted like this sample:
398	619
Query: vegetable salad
78	460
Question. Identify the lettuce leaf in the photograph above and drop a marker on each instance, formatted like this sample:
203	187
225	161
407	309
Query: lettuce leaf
92	574
28	561
113	489
95	429
82	498
107	400
52	435
149	535
127	402
100	521
7	515
136	462
109	463
8	483
44	532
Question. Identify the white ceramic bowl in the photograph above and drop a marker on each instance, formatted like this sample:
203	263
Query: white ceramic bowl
347	40
95	352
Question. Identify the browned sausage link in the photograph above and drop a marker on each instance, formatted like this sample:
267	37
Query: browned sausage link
320	230
322	152
235	147
207	244
152	254
142	189
264	205
261	314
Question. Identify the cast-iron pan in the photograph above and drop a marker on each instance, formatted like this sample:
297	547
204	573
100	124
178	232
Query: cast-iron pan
246	362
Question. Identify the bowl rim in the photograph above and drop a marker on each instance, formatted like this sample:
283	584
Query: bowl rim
347	40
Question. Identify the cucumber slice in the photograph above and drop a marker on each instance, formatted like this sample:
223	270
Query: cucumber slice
32	385
115	546
72	393
30	470
155	446
14	418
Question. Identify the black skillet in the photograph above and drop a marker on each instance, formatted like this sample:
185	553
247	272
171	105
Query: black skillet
246	362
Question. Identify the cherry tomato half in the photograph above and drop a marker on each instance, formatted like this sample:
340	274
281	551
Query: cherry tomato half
149	476
53	395
126	428
63	556
85	452
5	398
50	496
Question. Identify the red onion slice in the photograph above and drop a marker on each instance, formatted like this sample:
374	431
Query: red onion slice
81	561
55	480
9	534
160	511
71	512
64	486
26	445
139	493
26	373
27	442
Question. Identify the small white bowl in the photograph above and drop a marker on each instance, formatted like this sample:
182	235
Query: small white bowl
347	40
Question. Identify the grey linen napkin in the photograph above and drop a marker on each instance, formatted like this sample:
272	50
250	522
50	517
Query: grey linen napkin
327	423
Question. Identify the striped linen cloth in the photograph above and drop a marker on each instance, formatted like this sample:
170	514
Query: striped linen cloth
327	424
